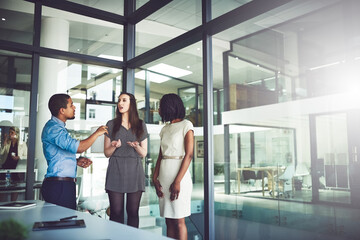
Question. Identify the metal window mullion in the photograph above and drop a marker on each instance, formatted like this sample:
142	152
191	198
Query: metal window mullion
30	176
129	48
147	98
208	140
226	82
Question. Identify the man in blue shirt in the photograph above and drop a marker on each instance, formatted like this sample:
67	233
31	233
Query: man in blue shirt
60	152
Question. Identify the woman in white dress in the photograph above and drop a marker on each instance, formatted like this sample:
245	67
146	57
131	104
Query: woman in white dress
172	178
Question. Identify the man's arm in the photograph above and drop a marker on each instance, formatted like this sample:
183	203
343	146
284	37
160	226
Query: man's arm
86	143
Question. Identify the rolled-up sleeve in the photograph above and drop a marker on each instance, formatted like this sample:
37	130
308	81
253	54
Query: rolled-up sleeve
61	138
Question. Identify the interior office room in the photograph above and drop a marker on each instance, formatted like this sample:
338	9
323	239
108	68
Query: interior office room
272	88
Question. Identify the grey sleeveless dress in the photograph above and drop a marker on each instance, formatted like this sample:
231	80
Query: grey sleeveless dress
125	172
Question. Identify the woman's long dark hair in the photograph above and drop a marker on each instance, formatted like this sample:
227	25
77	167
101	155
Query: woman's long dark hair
135	123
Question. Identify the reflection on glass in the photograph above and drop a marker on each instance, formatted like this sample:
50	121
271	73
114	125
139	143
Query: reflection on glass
162	26
16	21
75	33
332	158
219	8
14	122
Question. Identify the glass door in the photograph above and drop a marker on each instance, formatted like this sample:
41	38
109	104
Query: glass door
335	157
354	153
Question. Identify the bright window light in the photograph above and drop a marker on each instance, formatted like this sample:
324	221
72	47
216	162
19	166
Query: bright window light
170	70
190	90
111	57
153	77
324	66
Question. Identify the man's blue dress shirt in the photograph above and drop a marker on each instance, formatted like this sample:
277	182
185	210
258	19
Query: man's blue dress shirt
59	149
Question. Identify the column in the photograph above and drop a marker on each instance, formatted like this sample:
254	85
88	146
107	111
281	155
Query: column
52	79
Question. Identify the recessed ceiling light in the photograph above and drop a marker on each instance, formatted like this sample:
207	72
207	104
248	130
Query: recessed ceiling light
188	66
169	70
3	19
153	77
198	49
111	57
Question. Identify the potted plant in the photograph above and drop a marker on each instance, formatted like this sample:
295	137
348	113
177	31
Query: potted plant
13	230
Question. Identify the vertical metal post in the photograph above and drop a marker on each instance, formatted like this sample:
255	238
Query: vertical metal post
226	82
252	148
30	175
209	226
314	164
129	48
147	97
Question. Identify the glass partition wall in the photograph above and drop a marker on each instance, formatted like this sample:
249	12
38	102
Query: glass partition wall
276	154
291	95
15	82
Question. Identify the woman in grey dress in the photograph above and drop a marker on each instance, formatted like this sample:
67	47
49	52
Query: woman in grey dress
126	145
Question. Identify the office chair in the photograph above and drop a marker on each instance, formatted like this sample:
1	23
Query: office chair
285	183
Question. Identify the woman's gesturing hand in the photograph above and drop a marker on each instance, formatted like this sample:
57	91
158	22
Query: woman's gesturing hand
174	190
158	188
133	144
116	144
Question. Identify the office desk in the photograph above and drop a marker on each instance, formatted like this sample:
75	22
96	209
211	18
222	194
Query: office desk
96	228
270	170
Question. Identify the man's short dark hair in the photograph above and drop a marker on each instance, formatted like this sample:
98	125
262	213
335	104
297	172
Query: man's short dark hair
171	107
56	102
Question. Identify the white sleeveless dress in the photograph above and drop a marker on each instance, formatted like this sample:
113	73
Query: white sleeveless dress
172	146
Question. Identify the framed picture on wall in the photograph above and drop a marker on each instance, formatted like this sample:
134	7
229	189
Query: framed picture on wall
200	149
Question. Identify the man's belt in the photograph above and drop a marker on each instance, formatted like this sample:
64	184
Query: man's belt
68	179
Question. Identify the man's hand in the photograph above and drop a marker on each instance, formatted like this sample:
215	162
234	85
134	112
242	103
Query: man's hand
83	162
101	130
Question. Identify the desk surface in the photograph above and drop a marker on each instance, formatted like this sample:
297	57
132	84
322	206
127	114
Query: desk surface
96	228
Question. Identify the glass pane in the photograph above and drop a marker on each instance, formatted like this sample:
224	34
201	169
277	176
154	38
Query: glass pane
219	7
170	75
116	7
92	89
15	82
332	158
75	33
189	97
17	21
167	23
281	74
140	3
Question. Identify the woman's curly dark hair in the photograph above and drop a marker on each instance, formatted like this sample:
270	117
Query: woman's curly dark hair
171	107
135	122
